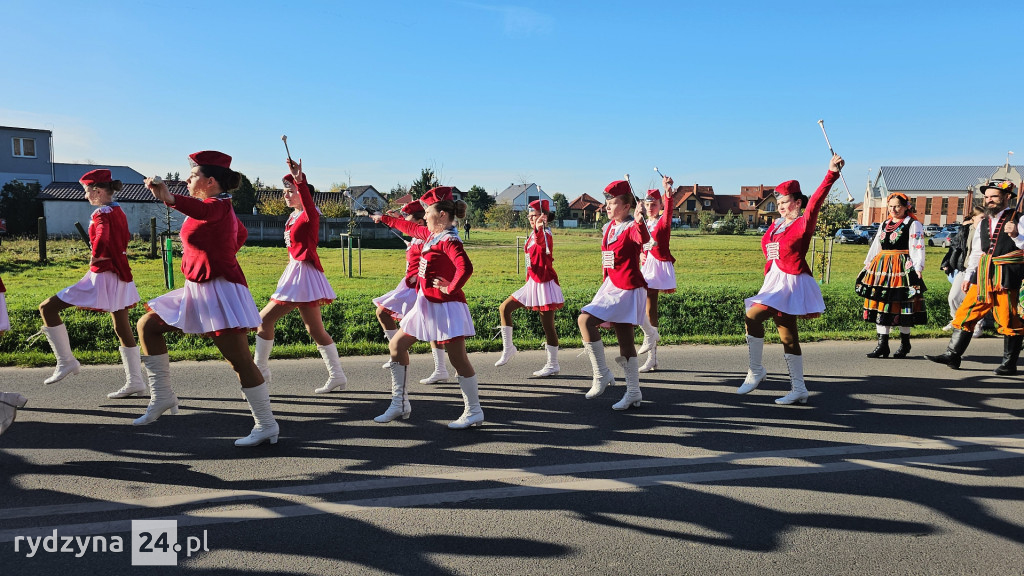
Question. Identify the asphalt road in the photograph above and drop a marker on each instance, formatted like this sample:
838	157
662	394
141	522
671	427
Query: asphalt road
893	467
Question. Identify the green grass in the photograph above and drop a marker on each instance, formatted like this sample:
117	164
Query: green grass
714	273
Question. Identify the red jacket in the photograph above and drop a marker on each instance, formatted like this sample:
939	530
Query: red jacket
302	232
108	234
442	256
625	270
210	238
661	232
2	287
540	257
796	238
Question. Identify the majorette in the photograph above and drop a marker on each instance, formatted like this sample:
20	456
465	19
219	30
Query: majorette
657	266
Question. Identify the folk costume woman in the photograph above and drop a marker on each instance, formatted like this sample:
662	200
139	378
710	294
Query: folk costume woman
303	285
394	305
891	282
789	291
657	266
215	301
107	287
9	401
440	312
621	301
541	292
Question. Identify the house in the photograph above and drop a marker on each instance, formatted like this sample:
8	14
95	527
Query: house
520	196
401	201
72	172
30	156
759	203
64	204
940	194
584	209
366	198
689	201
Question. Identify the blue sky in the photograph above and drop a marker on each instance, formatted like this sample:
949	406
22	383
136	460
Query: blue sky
570	95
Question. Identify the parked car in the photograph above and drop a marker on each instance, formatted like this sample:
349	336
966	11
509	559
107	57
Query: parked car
849	236
943	239
762	229
717	224
932	229
951	228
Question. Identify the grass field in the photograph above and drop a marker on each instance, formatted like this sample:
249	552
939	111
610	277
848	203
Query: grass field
714	274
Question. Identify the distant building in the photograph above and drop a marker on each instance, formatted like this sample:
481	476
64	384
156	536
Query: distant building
584	209
520	196
690	201
29	158
64	204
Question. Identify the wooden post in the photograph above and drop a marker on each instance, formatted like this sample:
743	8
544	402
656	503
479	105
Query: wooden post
152	238
41	232
83	234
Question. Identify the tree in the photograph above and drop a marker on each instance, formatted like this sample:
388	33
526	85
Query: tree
338	187
244	198
705	218
172	177
20	206
397	191
478	199
426	181
561	206
500	216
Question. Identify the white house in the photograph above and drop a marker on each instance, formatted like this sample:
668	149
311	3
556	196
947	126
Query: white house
64	204
520	196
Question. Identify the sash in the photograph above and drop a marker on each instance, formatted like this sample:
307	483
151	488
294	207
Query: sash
990	272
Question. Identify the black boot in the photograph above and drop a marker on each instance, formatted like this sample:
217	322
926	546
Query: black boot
904	348
882	349
1011	351
957	346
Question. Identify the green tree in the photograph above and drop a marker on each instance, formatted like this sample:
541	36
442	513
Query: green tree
479	200
500	216
20	206
397	191
705	218
561	207
426	181
338	187
244	198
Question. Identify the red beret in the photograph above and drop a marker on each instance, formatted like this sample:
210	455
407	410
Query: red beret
413	207
435	195
288	178
617	189
101	176
653	195
788	188
541	205
210	158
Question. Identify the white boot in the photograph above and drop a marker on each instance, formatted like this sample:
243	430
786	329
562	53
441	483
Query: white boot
651	335
652	359
632	397
798	392
508	349
9	404
134	384
473	414
161	397
388	335
67	364
603	377
336	379
756	373
266	427
400	406
262	357
440	373
551	368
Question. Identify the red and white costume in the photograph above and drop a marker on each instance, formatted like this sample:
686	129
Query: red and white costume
400	300
789	287
303	281
108	285
436	316
658	265
541	291
216	297
622	297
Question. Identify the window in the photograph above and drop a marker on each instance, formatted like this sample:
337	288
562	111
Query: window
707	203
23	147
691	205
751	203
945	206
959	206
769	207
928	206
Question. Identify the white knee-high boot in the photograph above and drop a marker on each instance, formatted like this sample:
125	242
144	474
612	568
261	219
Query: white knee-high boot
651	335
161	396
551	368
508	349
632	397
336	376
400	406
262	357
134	384
472	414
756	372
67	364
603	377
440	373
652	358
798	391
266	427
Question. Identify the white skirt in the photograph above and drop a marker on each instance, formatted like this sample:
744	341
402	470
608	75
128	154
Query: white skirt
399	301
437	321
208	308
660	274
5	322
540	296
302	283
793	294
618	306
104	292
